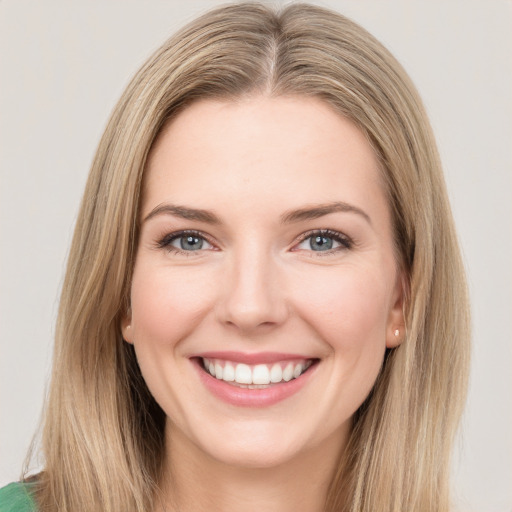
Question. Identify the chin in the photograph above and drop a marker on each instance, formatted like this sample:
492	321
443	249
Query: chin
255	456
260	444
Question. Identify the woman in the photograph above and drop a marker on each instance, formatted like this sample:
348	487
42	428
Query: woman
264	304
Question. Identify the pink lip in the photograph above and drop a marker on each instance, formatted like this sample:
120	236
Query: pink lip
245	397
252	359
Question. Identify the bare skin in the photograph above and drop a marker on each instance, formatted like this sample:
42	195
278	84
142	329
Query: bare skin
265	229
201	483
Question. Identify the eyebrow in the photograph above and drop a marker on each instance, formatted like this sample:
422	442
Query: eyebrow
308	213
184	212
319	210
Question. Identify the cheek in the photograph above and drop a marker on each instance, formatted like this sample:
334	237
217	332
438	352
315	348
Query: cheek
349	309
167	303
349	312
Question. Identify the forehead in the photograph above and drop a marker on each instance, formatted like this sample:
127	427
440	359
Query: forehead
261	151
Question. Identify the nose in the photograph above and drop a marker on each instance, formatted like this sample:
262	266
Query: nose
253	298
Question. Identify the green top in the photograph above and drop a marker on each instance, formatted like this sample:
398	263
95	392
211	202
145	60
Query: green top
16	497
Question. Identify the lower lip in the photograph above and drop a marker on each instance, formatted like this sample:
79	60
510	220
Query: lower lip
245	397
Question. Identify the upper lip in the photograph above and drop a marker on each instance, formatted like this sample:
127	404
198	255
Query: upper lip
252	358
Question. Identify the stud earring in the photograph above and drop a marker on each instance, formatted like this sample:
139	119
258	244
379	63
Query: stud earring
397	333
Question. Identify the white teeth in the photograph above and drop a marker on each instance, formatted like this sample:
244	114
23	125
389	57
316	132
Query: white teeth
258	376
288	372
218	371
229	373
276	373
243	374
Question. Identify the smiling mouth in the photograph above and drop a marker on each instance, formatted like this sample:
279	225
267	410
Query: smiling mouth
258	376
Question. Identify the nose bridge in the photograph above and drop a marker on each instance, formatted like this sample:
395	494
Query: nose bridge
253	296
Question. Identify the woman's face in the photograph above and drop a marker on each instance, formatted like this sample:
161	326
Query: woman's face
265	288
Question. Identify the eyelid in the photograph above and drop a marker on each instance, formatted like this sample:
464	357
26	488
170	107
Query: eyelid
345	241
165	241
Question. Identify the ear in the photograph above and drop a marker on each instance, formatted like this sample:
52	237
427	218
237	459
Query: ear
395	330
126	326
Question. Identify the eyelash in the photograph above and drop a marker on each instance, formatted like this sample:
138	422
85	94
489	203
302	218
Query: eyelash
345	242
165	242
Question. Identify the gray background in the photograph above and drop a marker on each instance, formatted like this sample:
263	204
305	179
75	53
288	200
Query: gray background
64	64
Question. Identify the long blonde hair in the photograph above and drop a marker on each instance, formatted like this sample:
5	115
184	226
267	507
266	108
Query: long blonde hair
103	438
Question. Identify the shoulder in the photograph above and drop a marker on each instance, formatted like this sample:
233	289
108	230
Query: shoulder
16	497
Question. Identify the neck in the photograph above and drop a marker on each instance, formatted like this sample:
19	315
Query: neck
195	482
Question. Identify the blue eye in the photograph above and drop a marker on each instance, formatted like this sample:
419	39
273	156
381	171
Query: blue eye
188	243
321	243
324	241
185	242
